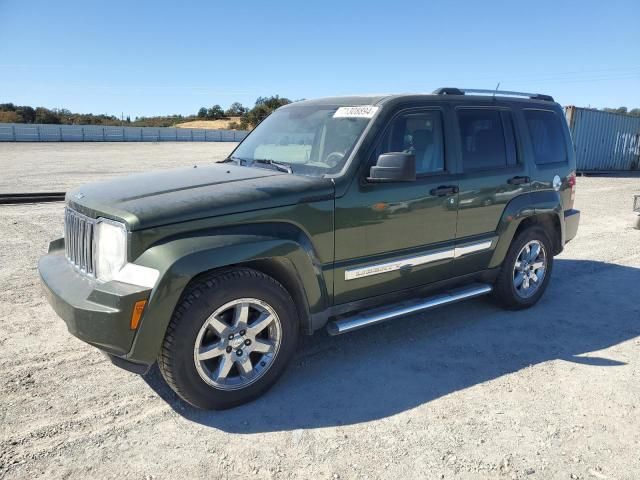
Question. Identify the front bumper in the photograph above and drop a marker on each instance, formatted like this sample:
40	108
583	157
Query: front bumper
571	221
97	313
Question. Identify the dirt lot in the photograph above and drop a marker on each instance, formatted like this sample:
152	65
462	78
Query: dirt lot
468	392
41	167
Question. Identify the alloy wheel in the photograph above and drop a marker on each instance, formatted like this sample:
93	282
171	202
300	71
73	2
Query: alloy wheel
530	269
237	344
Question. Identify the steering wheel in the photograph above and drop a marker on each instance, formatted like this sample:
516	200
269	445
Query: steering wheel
333	158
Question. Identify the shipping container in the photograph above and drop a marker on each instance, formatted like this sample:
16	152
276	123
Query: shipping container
604	141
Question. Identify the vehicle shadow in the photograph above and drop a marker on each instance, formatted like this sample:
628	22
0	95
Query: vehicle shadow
383	370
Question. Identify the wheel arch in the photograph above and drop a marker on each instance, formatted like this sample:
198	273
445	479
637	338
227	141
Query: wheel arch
290	259
542	208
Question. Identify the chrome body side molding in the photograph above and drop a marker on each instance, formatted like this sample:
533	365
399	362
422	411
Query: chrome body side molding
409	262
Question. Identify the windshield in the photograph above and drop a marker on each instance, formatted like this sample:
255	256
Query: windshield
312	140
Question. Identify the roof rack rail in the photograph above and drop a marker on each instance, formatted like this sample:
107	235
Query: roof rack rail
448	91
462	91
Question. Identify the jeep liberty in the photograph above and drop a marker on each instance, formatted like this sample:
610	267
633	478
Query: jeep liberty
335	213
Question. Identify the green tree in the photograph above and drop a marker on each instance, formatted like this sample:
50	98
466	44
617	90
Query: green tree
202	113
616	110
215	112
235	110
26	114
44	115
262	109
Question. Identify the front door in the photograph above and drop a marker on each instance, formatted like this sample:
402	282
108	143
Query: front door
393	236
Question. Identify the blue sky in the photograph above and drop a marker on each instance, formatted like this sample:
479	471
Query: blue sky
156	57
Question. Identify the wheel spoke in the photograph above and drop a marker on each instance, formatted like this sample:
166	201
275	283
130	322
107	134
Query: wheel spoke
518	265
525	283
241	314
263	346
534	277
263	321
212	351
223	368
217	325
517	281
534	252
245	367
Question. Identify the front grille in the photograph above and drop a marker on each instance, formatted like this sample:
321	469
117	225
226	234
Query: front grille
78	243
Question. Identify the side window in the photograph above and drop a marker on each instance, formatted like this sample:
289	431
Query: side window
484	143
419	133
546	135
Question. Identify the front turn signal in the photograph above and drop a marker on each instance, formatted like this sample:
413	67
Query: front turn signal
136	315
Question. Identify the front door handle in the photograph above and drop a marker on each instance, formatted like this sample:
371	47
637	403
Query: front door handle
518	180
444	190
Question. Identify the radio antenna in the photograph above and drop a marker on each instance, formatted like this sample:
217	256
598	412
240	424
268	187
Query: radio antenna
496	90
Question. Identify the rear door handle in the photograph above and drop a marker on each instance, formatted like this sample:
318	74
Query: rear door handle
518	180
444	190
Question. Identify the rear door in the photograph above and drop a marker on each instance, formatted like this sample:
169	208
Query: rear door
393	236
493	173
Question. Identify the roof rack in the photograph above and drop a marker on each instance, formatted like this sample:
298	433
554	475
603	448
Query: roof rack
462	91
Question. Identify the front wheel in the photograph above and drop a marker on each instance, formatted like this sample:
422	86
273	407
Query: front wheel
526	270
229	340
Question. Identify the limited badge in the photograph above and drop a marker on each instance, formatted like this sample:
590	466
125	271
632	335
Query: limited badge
362	111
557	182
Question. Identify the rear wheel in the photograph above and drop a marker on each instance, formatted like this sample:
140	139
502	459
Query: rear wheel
526	270
230	339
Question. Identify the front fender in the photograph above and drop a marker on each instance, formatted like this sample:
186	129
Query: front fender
517	210
182	259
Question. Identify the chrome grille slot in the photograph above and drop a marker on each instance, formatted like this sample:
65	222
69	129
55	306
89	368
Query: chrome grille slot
78	243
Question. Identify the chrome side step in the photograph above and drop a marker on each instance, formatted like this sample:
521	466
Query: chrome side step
371	317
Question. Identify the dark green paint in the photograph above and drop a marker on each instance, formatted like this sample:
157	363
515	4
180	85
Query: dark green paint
188	221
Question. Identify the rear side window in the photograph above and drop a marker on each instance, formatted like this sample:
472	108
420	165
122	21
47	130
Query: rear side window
545	129
487	139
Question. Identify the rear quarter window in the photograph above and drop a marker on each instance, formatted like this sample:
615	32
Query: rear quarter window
546	132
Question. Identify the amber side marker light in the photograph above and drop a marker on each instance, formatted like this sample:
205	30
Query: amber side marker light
136	315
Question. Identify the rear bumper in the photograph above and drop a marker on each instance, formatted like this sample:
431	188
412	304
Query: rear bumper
96	313
571	221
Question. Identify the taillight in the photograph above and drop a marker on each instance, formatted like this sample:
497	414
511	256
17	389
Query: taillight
572	184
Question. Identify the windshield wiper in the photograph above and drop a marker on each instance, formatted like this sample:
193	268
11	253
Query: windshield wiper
283	167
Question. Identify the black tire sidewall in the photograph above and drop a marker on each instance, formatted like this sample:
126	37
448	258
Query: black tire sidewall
193	312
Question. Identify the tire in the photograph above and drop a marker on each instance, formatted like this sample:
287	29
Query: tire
222	380
505	290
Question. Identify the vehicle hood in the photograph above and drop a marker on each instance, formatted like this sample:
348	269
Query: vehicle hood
177	195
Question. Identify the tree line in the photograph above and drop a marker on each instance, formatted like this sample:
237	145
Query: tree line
246	118
634	111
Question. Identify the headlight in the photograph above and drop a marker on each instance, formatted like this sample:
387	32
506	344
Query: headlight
111	248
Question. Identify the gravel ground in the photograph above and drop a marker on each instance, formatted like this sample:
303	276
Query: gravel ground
42	167
469	392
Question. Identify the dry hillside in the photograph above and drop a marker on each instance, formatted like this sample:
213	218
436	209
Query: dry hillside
214	124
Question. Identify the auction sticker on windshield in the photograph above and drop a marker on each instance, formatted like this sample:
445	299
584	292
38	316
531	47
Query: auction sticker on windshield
362	111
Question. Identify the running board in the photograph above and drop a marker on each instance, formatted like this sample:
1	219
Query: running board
379	315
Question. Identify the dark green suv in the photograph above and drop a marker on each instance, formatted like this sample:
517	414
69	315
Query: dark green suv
336	213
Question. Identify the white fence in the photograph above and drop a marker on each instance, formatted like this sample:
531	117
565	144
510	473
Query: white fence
21	132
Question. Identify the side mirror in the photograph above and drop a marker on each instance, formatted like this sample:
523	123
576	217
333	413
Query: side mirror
394	167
